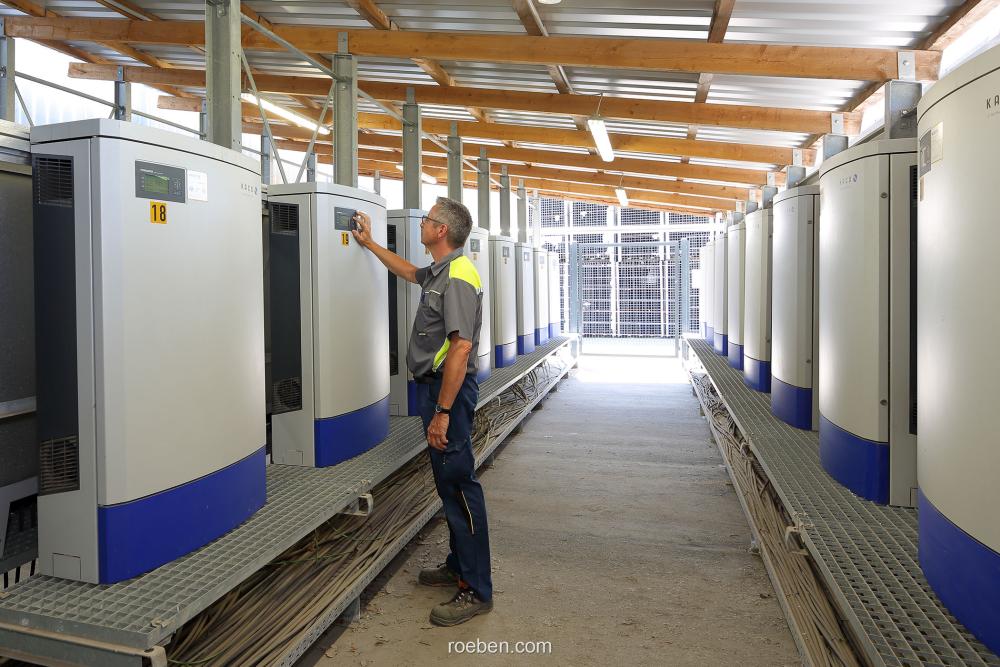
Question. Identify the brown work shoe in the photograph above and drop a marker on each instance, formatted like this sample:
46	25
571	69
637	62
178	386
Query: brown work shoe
438	576
461	608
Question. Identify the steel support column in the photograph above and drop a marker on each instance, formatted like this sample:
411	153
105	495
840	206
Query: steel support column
377	181
794	175
8	98
311	167
522	213
833	144
504	202
685	287
412	163
123	96
223	73
484	190
767	194
265	160
536	227
454	164
901	99
345	117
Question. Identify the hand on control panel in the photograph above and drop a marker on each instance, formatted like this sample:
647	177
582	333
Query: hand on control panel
362	228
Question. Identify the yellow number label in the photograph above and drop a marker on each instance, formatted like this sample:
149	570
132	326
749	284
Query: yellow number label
157	213
345	238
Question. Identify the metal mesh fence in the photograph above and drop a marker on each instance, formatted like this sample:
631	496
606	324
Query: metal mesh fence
638	216
624	291
585	214
696	241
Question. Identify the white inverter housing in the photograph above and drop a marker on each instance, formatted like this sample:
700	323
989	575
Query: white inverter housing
720	302
150	346
957	323
555	295
706	295
477	249
757	314
503	283
736	250
403	238
794	307
867	400
541	259
329	325
525	277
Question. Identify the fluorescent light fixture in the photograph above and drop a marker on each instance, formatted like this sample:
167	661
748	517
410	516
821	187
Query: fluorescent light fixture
426	178
290	116
599	131
622	197
550	2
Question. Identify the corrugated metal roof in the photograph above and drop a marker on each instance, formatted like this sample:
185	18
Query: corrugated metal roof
886	23
531	78
683	19
648	84
818	94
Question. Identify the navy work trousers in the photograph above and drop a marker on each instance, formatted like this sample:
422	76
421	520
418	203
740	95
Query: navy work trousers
459	489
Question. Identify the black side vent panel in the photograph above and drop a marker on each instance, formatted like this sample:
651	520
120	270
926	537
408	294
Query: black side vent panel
393	322
53	181
285	301
285	219
913	299
59	466
286	395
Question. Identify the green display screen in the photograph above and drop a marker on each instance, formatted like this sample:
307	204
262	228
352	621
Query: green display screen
156	184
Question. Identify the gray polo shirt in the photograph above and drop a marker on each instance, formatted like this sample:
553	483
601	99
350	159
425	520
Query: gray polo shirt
451	301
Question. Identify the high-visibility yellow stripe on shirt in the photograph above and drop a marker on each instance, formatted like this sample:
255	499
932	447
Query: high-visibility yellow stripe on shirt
442	353
462	268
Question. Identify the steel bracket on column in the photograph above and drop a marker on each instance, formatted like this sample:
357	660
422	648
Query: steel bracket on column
345	120
223	53
412	163
484	190
454	164
504	201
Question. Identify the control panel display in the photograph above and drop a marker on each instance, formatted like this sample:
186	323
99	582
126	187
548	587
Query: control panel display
158	181
343	219
474	245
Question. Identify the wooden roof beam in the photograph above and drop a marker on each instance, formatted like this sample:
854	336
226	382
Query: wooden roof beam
713	150
35	10
570	190
619	108
372	13
822	62
723	196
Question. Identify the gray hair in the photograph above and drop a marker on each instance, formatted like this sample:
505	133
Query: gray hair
457	217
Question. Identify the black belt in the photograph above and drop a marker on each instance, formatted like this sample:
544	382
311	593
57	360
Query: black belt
428	378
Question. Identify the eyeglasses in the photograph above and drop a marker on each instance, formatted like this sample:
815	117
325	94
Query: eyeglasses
427	218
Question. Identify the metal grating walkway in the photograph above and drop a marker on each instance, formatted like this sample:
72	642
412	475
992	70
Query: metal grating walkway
866	553
145	611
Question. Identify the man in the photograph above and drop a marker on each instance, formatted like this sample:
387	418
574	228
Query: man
440	357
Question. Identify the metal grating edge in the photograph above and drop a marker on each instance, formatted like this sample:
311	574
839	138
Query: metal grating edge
30	631
865	552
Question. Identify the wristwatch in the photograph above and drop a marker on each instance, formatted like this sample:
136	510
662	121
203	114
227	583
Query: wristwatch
438	410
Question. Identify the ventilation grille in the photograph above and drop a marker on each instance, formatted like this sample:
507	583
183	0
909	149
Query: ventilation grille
59	466
286	395
390	237
285	219
53	181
